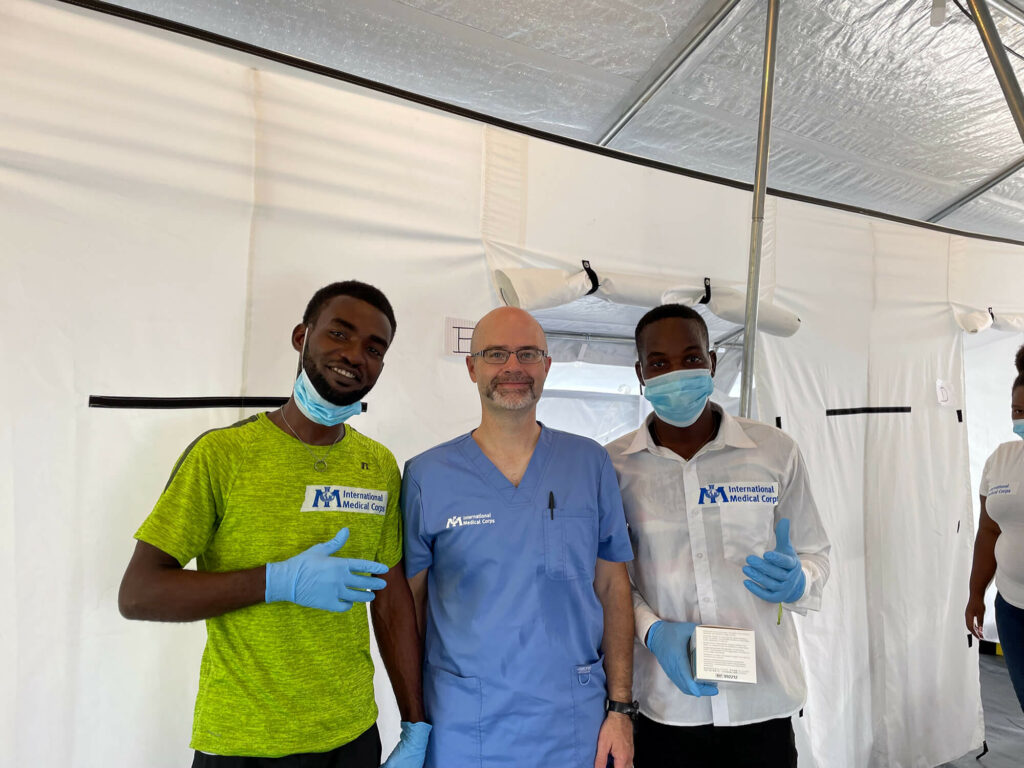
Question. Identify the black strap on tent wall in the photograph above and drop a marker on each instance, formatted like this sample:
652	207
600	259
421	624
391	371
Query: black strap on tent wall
594	282
707	291
173	403
855	411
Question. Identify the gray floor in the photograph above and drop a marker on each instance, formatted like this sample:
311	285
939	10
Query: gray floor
1004	722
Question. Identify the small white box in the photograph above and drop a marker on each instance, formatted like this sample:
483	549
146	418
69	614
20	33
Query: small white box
723	655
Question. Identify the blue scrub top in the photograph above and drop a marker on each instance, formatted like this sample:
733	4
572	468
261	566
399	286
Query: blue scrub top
513	673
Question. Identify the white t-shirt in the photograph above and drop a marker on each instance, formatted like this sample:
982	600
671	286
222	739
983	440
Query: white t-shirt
1002	485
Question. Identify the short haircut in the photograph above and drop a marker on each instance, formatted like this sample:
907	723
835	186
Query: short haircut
357	290
665	311
1018	359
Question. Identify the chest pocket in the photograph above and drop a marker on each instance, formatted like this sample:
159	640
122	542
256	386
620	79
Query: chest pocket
570	543
746	530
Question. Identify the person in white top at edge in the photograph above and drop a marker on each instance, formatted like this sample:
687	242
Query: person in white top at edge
724	530
999	545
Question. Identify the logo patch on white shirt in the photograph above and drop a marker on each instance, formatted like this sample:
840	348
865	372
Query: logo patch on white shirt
1003	489
739	493
341	498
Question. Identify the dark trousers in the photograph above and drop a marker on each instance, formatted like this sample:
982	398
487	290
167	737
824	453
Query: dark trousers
770	744
1010	625
362	752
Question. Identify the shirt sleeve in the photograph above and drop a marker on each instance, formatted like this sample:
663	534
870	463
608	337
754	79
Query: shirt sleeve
419	548
613	538
389	549
806	532
983	486
643	616
187	513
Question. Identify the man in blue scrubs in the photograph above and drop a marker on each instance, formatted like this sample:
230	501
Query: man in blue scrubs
516	544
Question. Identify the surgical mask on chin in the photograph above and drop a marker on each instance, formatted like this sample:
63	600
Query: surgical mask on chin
1018	427
678	397
315	408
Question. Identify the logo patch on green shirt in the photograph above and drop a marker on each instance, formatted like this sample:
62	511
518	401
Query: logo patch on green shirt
320	498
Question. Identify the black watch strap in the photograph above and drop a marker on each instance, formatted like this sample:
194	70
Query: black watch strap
628	708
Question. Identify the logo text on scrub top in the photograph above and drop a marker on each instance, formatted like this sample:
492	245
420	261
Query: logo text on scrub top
1000	490
344	499
739	493
484	518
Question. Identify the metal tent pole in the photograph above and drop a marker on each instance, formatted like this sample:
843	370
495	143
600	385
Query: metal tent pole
1000	63
764	129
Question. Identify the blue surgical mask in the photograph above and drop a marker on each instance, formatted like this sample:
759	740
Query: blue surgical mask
1018	427
315	408
678	397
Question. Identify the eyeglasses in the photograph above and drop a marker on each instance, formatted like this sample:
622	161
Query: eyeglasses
497	355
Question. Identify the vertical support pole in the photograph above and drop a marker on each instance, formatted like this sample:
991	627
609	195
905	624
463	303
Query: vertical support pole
764	130
1000	63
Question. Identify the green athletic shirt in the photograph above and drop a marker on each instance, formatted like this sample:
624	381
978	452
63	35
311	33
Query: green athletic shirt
278	678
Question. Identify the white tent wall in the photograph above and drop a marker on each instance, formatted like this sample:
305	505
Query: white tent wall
821	260
555	207
169	207
893	487
114	196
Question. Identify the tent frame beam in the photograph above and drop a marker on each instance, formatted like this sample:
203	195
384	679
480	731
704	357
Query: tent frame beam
978	191
687	48
764	138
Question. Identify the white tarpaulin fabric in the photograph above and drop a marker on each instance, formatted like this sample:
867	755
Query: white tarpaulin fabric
167	210
887	463
534	289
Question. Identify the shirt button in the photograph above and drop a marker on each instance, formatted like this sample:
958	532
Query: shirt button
706	600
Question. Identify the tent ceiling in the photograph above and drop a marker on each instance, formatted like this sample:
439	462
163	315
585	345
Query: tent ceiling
873	106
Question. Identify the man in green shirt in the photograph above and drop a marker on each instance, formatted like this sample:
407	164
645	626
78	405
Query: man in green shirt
294	523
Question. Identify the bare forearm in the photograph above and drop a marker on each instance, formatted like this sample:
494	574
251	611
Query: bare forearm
401	649
984	566
617	641
175	594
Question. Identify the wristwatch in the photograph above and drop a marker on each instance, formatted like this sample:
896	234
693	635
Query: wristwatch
628	708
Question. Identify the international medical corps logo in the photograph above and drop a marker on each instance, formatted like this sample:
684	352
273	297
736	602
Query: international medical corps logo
341	498
713	494
739	493
457	521
323	497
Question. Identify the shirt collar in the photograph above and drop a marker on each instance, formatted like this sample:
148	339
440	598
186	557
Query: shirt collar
730	432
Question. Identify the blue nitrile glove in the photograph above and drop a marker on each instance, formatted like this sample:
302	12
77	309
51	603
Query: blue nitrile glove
411	749
778	577
669	642
316	580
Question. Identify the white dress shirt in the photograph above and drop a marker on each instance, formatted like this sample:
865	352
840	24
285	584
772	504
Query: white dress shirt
692	525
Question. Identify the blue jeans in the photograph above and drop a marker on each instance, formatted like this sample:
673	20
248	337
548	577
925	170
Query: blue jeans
1010	624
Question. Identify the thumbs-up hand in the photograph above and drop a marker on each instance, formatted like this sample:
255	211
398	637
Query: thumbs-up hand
777	577
315	579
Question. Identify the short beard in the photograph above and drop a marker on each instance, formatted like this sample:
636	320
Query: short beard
324	388
510	401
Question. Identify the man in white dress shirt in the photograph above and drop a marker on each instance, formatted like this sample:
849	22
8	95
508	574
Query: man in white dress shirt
724	531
